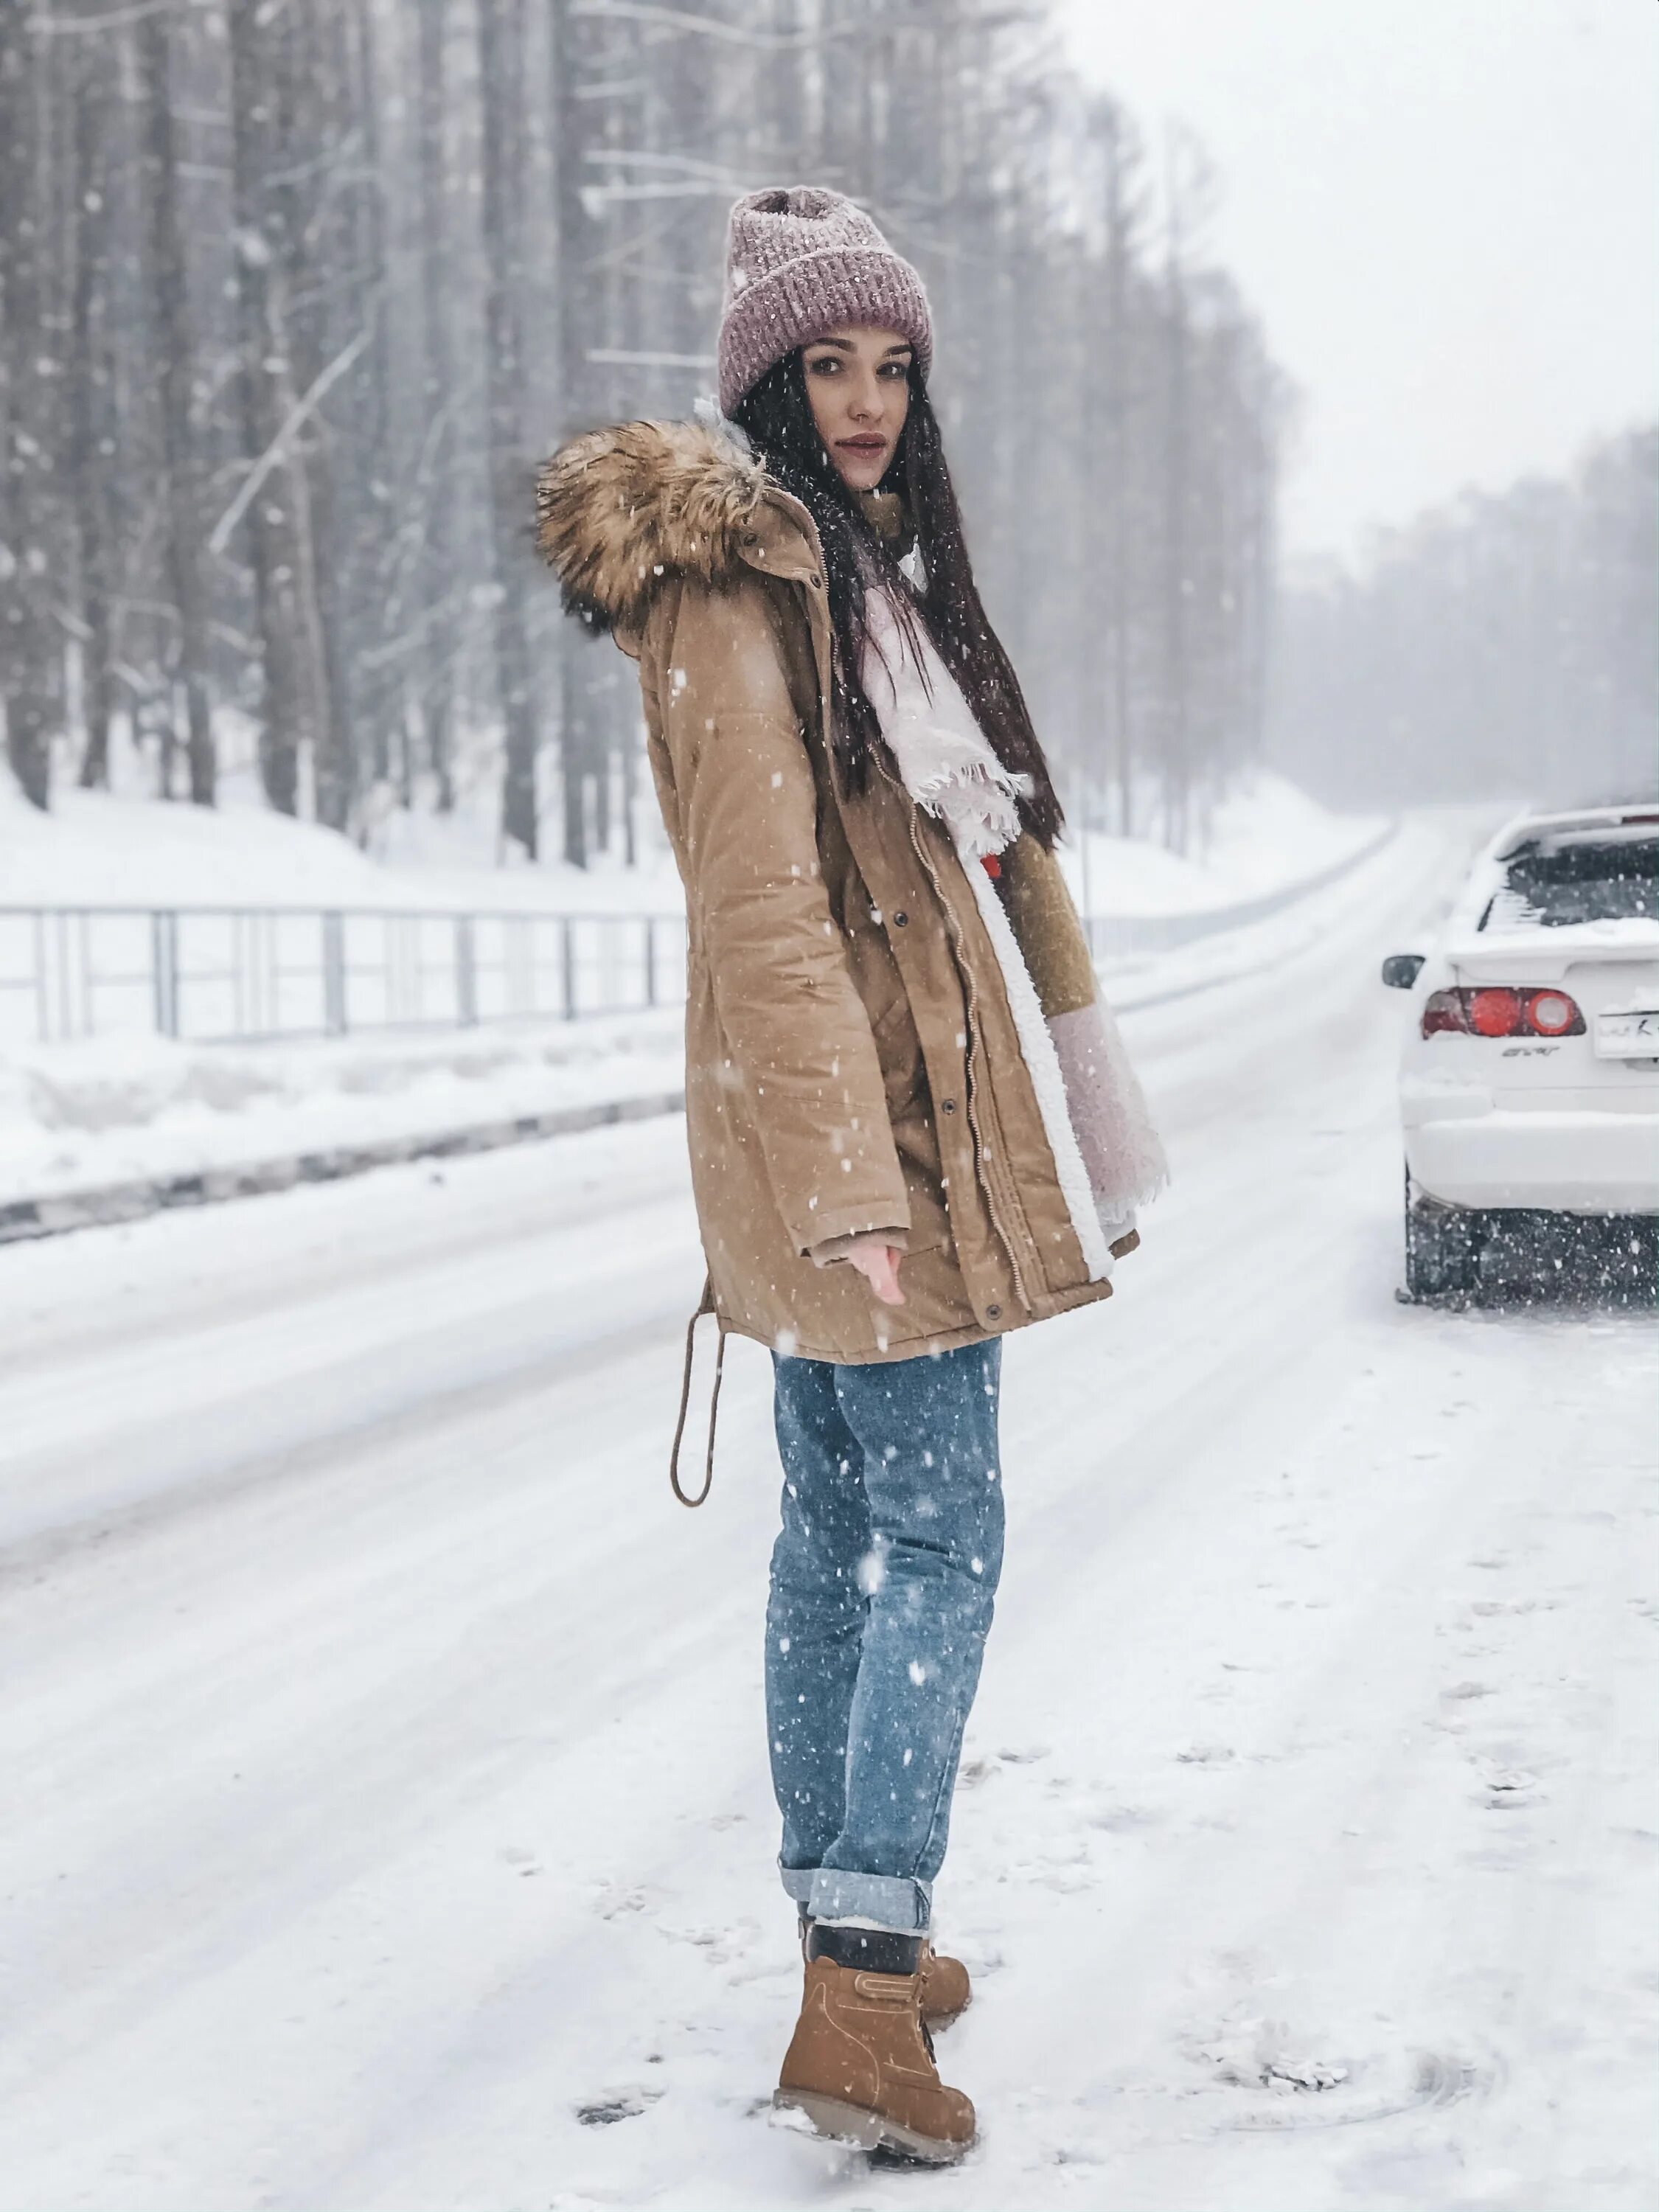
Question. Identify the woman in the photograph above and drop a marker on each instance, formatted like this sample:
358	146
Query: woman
911	1126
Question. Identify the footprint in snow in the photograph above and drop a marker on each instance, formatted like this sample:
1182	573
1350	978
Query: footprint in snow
614	2105
1507	1787
1119	1819
720	1946
615	1899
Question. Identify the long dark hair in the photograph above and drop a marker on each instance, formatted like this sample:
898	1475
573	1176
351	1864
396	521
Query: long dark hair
776	416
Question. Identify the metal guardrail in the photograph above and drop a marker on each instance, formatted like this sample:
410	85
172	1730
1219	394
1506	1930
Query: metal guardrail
223	974
230	975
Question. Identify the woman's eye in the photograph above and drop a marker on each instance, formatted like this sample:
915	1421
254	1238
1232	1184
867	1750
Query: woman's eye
894	370
823	364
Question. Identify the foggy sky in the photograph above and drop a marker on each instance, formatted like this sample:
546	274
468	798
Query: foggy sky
1445	211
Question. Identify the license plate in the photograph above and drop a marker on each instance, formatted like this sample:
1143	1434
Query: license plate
1628	1036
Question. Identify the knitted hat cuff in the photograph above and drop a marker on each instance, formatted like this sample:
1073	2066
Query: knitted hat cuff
855	281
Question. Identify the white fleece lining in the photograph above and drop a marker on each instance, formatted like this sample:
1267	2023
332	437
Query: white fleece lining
1038	1048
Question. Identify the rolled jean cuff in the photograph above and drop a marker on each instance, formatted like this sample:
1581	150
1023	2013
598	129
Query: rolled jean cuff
797	1883
880	1901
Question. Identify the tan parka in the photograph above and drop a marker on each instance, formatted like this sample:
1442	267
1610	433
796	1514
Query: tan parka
852	1059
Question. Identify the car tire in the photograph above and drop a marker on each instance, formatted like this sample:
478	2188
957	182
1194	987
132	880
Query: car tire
1443	1247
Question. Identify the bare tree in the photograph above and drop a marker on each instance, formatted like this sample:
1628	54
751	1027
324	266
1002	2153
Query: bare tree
31	532
1112	389
438	576
92	447
176	362
501	74
275	490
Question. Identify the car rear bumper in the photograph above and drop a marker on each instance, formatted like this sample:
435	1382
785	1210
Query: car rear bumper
1567	1163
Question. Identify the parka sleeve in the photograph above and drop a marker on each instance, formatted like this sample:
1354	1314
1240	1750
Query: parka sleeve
800	1040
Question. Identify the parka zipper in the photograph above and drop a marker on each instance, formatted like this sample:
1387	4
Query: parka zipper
969	997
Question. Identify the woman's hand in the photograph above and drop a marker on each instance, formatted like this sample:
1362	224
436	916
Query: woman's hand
878	1262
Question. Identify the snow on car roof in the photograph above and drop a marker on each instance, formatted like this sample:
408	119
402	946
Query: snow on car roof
1589	824
1486	914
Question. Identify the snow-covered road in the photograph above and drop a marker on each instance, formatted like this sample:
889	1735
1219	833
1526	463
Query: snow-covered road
387	1822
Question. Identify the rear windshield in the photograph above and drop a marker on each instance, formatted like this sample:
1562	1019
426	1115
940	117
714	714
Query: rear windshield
1550	884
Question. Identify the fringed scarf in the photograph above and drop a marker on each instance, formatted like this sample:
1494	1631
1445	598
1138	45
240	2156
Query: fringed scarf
1107	1154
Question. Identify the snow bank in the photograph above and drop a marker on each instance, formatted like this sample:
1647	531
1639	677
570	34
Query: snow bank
118	1109
1263	836
103	849
95	849
99	848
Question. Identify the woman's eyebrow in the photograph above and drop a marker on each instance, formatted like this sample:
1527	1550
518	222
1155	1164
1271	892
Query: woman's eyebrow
845	345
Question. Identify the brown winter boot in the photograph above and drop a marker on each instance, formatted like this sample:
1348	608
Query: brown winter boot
947	1992
860	2067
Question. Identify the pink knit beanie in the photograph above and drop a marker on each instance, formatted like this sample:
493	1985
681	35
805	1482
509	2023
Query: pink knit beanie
800	261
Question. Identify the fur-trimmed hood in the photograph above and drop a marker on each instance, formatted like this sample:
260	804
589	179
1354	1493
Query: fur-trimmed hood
619	508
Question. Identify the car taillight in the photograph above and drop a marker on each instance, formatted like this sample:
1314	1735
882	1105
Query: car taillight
1495	1014
1552	1013
1443	1010
1494	1011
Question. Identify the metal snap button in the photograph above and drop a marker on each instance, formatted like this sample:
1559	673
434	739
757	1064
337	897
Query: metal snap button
994	1313
947	1105
900	920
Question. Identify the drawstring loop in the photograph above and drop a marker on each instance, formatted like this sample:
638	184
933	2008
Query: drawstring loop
705	1305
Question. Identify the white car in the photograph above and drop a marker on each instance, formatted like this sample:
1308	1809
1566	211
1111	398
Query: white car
1530	1079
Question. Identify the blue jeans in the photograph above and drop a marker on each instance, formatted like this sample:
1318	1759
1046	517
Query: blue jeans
883	1580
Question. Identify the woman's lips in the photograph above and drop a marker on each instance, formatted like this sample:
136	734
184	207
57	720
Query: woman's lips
862	445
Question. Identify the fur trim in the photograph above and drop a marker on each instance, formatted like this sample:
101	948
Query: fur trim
618	508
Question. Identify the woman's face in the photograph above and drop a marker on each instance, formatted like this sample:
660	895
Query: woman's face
858	381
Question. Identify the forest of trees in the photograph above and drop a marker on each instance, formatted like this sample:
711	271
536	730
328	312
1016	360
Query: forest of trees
296	293
1506	644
